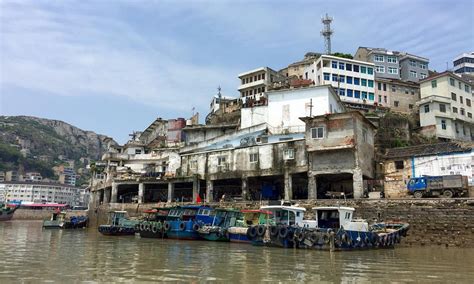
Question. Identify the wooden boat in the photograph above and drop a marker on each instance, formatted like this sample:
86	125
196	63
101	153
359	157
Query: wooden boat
183	222
249	219
59	220
6	212
118	224
153	224
222	221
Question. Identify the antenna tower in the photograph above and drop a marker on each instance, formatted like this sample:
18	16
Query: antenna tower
326	32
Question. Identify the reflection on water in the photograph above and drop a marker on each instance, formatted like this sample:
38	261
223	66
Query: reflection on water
29	253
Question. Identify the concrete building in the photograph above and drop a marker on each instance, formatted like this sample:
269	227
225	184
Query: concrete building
285	107
68	176
2	176
352	79
298	69
464	63
340	150
254	84
446	109
39	192
401	164
394	65
13	176
399	96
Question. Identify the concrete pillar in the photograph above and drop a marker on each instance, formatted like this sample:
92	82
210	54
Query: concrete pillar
106	195
288	185
113	197
245	188
358	183
170	192
141	192
195	188
209	190
312	187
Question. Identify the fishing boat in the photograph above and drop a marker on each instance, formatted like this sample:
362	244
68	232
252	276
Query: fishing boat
152	225
6	212
222	221
184	222
242	232
119	224
59	220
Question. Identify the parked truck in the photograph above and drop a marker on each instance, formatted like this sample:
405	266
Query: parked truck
445	186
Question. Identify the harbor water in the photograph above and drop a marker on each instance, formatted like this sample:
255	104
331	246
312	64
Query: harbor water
31	254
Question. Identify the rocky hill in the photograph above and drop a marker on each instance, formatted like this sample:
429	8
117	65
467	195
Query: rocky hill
37	144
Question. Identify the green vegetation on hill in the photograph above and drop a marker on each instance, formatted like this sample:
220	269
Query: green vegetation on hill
343	55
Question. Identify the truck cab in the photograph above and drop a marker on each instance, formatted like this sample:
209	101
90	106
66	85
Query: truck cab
417	186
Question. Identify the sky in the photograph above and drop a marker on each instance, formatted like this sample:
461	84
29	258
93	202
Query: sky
114	66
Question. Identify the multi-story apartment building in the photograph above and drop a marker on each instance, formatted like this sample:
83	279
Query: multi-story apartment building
400	96
33	176
68	176
446	107
394	64
464	63
254	83
41	192
352	79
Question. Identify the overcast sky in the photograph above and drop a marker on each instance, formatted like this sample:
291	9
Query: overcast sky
114	66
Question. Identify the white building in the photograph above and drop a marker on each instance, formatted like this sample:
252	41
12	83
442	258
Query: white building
254	83
446	107
41	192
352	79
285	107
464	63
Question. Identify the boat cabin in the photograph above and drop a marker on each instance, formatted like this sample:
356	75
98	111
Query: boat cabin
206	214
117	216
338	217
226	217
156	214
58	216
286	214
255	217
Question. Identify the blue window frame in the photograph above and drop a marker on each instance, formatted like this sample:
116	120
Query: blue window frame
326	77
371	83
342	92
364	95
357	94
348	67
370	70
363	69
364	82
371	96
349	93
342	78
356	81
341	65
348	79
356	68
334	77
334	64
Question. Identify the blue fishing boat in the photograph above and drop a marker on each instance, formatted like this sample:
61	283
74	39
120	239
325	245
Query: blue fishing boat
119	225
183	222
222	221
240	233
153	224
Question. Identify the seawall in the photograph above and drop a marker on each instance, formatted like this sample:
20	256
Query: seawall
433	222
30	214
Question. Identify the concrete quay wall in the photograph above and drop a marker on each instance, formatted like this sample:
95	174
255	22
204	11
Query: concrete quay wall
29	214
433	222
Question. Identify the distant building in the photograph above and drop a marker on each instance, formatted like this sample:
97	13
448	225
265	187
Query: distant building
254	84
394	65
464	63
446	107
298	69
2	176
68	176
398	95
12	176
33	176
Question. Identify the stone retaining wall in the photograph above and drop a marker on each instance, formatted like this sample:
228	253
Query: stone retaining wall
29	214
439	222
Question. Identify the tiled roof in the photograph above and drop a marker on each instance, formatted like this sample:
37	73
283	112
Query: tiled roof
427	150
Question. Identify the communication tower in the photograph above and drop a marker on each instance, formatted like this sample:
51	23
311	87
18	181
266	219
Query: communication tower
326	32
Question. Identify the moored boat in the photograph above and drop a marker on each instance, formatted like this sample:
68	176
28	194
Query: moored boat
6	212
153	224
118	225
217	230
184	222
242	232
59	220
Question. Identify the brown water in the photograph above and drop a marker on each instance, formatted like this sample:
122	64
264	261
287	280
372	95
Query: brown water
30	254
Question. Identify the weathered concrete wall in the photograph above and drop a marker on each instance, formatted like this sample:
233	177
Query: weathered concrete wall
433	222
28	214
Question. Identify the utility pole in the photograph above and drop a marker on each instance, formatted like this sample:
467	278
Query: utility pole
310	107
326	32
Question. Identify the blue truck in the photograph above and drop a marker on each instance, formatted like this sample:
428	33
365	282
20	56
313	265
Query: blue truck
445	186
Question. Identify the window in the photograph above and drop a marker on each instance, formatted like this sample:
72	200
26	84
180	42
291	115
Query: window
399	165
427	108
342	92
370	70
364	135
460	85
356	68
410	106
412	92
453	96
364	95
364	82
253	157
138	151
451	82
385	99
221	160
392	70
334	77
357	94
378	58
412	74
468	102
442	107
379	69
423	66
349	93
380	98
379	86
371	96
434	84
461	100
423	75
341	78
289	154
371	83
326	76
348	67
334	64
317	133
412	63
466	88
193	164
456	127
469	115
263	76
463	112
363	69
341	65
396	103
406	91
356	81
391	59
455	110
348	79
384	87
